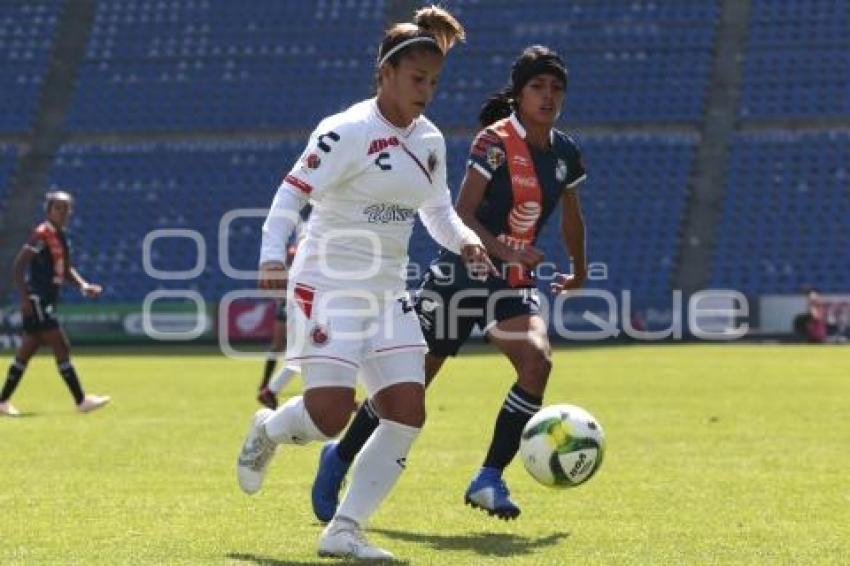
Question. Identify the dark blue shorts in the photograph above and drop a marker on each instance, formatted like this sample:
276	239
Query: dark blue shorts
449	309
43	314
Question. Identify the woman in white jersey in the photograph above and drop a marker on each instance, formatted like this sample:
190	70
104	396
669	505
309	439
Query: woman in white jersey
368	170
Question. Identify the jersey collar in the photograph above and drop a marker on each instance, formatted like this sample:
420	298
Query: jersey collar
520	129
405	132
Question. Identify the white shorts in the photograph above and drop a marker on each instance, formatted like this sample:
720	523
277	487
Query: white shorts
354	331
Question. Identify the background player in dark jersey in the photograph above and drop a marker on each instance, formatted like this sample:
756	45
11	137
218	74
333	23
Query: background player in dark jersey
520	169
40	269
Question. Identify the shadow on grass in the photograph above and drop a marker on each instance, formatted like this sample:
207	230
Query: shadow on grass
485	544
270	561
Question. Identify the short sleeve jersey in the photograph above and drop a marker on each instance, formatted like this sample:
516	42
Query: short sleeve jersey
43	277
559	168
366	179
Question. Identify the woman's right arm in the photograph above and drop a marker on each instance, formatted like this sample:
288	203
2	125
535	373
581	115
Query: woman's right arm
472	191
19	268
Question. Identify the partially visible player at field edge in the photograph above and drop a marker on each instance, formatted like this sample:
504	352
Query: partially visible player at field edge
368	170
271	386
40	269
520	169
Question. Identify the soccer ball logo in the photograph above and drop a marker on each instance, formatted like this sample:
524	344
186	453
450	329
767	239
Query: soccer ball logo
562	446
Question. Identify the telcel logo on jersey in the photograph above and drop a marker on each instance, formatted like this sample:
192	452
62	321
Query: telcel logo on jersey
524	216
381	144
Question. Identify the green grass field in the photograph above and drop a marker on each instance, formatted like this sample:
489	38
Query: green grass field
716	455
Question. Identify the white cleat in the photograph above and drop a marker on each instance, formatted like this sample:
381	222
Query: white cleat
9	410
92	403
256	453
342	537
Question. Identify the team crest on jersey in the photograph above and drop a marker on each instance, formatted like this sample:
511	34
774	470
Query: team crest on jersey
432	161
320	335
495	156
561	171
312	161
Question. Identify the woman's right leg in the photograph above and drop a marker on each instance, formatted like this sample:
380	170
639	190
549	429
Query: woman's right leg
28	347
322	412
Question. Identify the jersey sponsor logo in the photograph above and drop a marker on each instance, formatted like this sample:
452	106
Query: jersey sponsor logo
384	213
526	181
381	144
495	157
561	171
524	216
520	161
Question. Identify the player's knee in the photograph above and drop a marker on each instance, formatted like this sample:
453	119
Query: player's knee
331	423
535	366
415	417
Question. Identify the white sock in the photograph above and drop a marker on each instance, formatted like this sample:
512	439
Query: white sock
291	424
376	470
281	379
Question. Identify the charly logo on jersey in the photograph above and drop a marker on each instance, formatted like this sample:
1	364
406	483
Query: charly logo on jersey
385	212
561	171
495	156
524	216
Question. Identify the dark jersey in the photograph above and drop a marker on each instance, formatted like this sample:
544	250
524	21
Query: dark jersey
558	169
51	262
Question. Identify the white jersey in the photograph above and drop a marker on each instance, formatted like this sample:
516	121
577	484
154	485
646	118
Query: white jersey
367	179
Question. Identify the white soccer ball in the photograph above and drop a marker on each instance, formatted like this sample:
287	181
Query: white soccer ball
562	446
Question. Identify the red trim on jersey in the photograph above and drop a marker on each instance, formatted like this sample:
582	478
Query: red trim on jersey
46	232
298	184
525	186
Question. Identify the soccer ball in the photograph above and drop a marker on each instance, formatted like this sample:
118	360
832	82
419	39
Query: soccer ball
562	446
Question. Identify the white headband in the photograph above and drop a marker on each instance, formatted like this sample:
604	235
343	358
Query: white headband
403	44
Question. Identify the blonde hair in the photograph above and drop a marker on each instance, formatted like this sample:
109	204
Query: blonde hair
429	23
441	24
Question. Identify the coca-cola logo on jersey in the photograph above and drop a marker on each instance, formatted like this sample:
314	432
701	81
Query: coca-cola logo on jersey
524	216
526	181
384	213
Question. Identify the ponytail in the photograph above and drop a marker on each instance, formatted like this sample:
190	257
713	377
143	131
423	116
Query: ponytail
497	107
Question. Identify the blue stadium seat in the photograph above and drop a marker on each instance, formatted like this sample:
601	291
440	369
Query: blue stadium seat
784	223
797	62
8	161
216	65
26	33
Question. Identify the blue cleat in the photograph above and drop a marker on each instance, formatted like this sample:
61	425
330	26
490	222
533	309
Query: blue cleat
488	492
326	486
